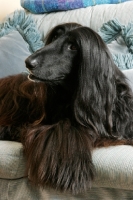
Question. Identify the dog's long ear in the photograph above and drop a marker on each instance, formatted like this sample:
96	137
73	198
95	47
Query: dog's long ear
96	88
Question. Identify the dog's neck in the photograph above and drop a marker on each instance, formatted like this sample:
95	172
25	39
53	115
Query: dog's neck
58	104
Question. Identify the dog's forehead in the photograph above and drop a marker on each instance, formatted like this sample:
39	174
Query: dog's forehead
58	30
63	38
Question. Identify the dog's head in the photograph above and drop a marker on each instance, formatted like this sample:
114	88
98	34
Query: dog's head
54	62
72	53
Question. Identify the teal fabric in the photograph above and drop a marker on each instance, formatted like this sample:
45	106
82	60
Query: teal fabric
26	26
19	38
43	6
113	32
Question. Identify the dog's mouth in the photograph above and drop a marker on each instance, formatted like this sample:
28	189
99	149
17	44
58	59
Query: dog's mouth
34	78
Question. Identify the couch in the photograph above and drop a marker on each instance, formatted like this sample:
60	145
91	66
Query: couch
114	165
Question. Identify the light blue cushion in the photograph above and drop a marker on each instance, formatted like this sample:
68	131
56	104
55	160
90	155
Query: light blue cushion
19	37
13	52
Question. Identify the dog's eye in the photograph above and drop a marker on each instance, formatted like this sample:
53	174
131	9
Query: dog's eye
72	47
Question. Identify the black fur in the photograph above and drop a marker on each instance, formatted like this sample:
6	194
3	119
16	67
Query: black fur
76	99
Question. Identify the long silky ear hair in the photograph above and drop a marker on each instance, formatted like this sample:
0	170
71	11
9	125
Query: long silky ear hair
96	88
103	99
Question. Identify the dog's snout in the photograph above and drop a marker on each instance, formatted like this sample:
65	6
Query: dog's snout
31	63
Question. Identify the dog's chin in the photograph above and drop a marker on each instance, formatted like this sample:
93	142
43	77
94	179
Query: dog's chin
33	78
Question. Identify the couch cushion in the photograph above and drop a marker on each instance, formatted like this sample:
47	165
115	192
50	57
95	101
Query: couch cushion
114	167
12	161
19	37
13	51
93	17
129	74
113	164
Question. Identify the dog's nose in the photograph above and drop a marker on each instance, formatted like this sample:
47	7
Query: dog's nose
31	63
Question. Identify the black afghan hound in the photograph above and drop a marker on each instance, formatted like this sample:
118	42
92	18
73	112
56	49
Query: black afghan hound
75	99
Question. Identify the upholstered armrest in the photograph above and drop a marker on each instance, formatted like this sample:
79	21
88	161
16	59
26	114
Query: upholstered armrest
12	160
114	165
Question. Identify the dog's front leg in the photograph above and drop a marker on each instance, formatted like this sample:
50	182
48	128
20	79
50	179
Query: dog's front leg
59	156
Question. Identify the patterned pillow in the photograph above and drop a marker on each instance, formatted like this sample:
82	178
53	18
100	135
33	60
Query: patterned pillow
43	6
